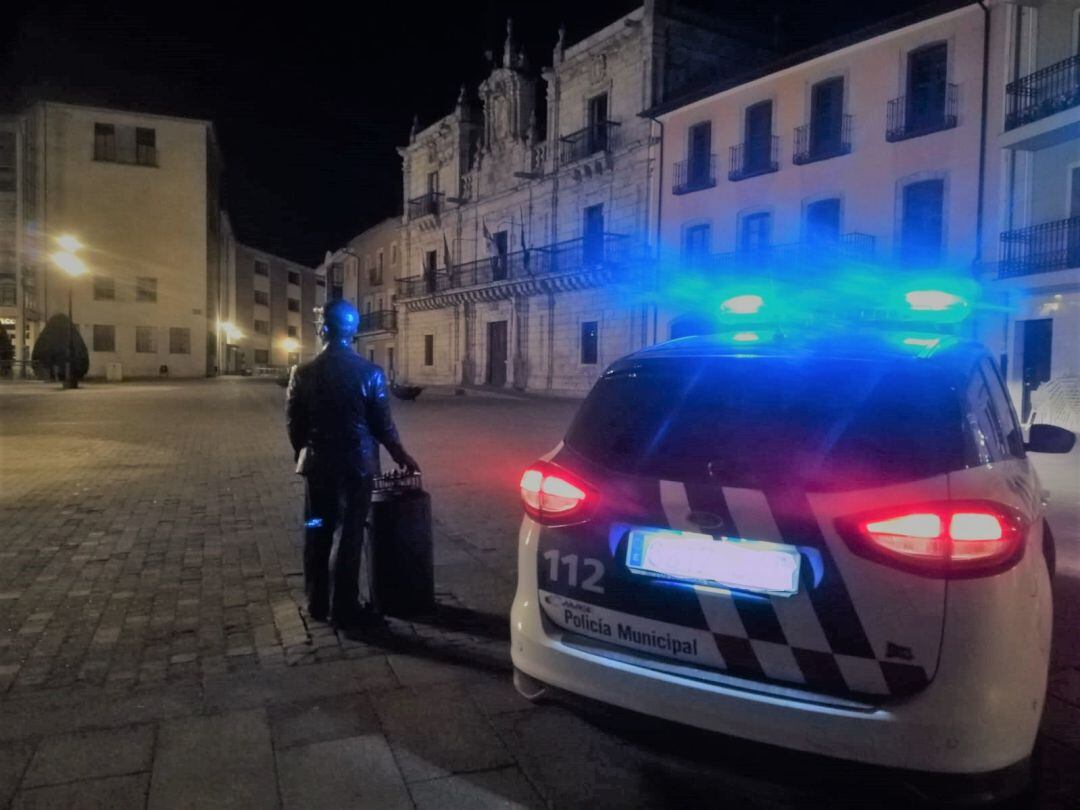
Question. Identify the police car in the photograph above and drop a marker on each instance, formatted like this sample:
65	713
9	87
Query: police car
828	542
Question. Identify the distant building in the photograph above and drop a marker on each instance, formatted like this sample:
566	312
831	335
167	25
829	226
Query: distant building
268	310
365	272
524	233
141	193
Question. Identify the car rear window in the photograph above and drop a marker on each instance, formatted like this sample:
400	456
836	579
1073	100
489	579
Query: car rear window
757	422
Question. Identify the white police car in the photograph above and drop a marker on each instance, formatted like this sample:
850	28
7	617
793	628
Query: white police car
835	545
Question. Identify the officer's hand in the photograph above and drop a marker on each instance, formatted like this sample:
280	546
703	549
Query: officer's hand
407	463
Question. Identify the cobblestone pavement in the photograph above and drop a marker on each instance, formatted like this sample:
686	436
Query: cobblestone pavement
152	651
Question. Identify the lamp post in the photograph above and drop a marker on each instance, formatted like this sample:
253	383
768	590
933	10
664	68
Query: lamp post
71	264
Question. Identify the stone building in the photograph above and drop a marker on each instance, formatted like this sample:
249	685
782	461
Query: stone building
525	232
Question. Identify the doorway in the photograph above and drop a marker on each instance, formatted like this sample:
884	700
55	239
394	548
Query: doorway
1036	339
497	353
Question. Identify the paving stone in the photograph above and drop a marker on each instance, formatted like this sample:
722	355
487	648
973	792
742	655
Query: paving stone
90	754
464	740
14	758
221	761
327	718
110	793
487	790
355	772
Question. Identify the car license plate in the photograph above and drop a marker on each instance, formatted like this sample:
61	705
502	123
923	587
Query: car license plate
750	565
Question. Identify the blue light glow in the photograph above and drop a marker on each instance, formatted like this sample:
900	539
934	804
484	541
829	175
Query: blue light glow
927	343
746	337
313	523
748	304
933	300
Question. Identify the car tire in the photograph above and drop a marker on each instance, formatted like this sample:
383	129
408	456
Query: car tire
1049	550
529	688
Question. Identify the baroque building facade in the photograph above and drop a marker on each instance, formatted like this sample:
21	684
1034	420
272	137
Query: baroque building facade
525	234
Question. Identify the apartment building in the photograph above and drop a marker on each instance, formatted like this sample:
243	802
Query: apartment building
1031	245
140	193
269	310
524	238
864	151
365	273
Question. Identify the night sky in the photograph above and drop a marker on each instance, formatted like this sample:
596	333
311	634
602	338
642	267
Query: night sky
309	101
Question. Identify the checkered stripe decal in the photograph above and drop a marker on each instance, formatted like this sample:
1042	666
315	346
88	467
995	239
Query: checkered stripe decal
754	634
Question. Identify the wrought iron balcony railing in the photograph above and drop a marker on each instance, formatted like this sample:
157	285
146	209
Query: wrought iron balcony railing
585	142
381	320
1043	93
604	250
796	255
814	142
754	157
914	115
426	204
1040	248
694	174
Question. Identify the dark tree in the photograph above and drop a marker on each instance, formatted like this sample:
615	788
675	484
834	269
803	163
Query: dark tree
51	350
7	353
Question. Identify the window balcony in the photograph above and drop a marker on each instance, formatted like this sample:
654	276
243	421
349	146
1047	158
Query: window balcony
587	142
607	250
1040	248
382	320
813	144
749	159
918	115
430	204
694	175
1043	93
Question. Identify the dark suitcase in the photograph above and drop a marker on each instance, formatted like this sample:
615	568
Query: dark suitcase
402	570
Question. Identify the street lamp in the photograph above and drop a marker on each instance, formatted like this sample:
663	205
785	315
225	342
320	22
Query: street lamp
71	264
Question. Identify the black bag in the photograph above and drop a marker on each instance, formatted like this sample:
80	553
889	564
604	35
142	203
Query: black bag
402	573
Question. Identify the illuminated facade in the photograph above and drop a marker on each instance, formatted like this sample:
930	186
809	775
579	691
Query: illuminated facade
863	152
140	192
525	234
1032	242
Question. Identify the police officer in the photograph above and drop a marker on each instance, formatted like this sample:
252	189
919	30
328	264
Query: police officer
337	414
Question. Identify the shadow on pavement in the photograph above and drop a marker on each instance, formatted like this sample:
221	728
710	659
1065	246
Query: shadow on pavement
492	626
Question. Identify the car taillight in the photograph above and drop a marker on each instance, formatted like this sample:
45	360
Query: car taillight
944	539
552	495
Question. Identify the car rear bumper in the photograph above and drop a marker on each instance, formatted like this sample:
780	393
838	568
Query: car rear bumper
964	722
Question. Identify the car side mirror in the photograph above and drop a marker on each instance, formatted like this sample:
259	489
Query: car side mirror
1049	439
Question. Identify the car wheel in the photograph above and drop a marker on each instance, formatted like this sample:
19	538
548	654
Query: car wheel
1049	550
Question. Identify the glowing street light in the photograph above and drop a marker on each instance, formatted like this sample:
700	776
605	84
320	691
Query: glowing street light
232	332
71	264
291	345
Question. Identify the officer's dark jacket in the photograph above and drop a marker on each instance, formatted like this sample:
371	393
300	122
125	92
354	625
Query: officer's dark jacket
338	407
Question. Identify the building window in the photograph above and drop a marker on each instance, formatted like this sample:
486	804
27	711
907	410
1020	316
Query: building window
145	340
823	222
294	305
104	289
430	263
146	289
429	350
320	282
697	171
7	161
145	146
179	340
758	130
294	278
7	294
829	132
598	124
593	234
922	223
262	297
393	254
294	331
590	334
262	327
696	240
262	357
104	142
926	87
104	338
371	355
293	358
261	268
755	231
390	360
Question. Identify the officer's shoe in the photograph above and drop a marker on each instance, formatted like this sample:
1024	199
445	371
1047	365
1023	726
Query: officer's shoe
360	616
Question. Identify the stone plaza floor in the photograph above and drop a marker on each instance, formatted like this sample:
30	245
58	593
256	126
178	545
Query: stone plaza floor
153	652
